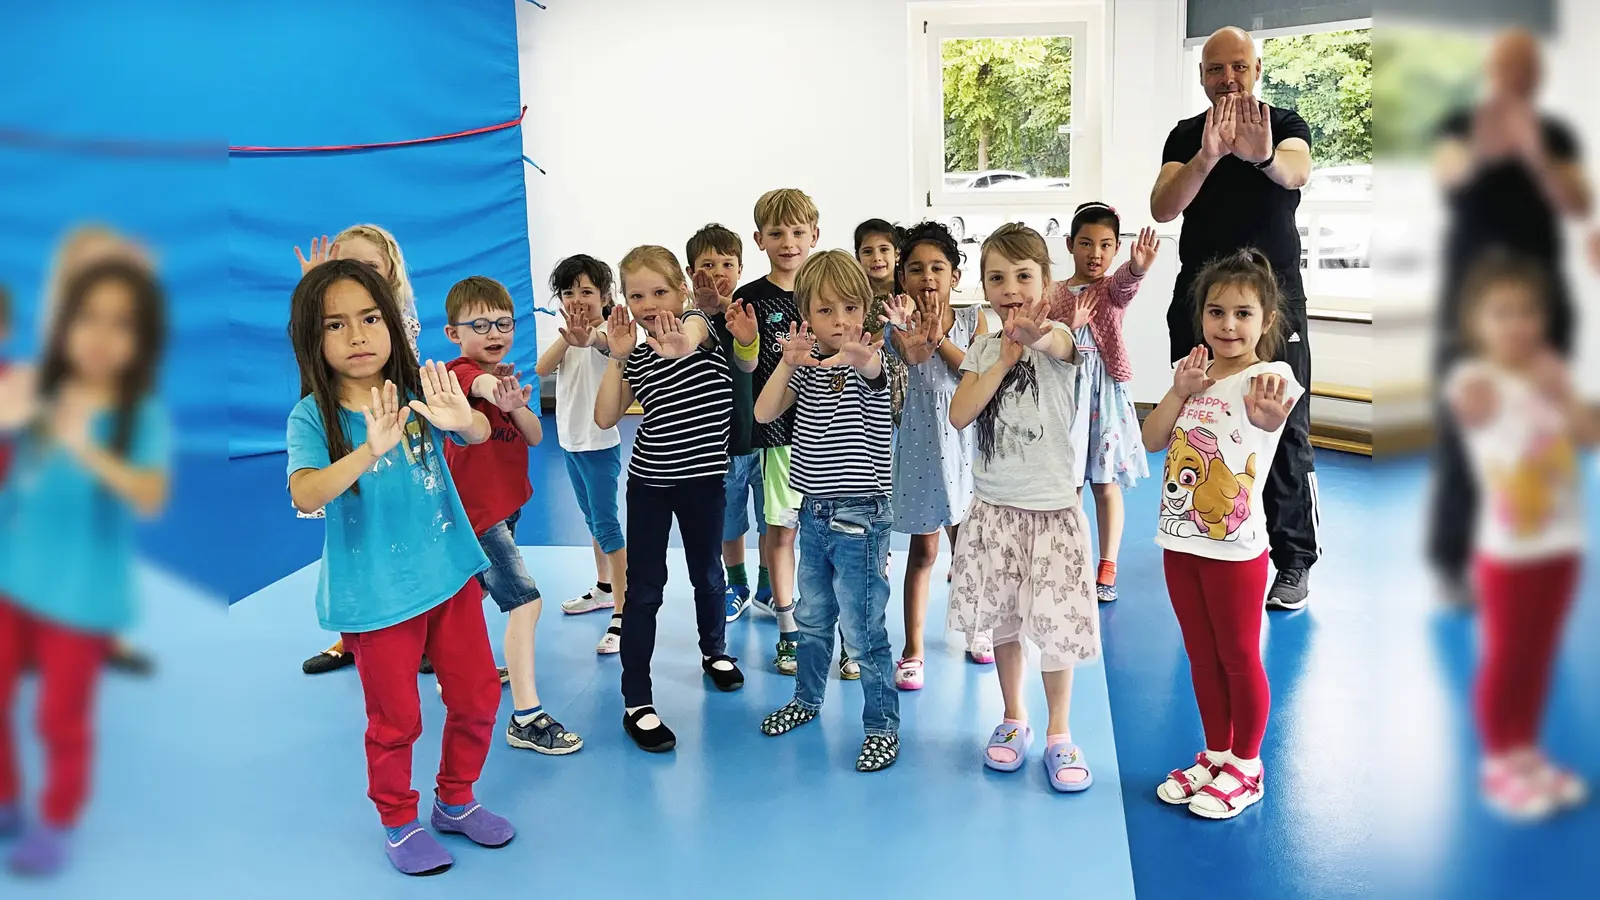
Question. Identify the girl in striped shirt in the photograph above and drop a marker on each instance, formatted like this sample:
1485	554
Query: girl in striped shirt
680	456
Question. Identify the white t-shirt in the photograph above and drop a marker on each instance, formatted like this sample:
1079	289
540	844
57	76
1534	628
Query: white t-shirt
578	380
1526	465
1216	471
1024	435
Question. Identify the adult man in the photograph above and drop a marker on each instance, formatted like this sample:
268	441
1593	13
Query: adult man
1234	172
1509	175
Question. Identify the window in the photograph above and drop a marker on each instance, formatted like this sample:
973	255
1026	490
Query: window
1006	117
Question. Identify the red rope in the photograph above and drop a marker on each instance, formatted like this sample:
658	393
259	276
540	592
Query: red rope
426	140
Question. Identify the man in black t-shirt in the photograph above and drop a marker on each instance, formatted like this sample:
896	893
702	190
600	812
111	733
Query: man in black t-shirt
1509	174
1234	173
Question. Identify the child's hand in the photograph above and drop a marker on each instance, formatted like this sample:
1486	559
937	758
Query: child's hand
933	310
580	327
1031	322
1083	307
443	404
899	312
18	398
1552	377
1474	401
619	332
1010	352
1144	251
69	424
319	254
1190	377
742	323
856	350
707	297
386	420
670	339
797	347
1265	404
509	394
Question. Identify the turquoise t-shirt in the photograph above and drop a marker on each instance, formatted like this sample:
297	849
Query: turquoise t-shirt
400	547
66	542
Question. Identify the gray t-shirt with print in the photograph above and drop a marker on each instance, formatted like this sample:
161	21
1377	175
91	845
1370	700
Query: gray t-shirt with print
1024	435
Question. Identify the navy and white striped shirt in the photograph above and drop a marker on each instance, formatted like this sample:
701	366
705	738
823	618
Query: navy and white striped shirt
687	405
842	433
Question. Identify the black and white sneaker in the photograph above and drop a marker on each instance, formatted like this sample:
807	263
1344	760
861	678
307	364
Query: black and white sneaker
543	735
1290	590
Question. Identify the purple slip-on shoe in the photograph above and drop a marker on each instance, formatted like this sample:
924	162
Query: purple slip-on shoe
418	853
478	824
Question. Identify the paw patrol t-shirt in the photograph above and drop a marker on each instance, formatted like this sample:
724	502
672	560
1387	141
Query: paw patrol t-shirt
1526	465
1216	471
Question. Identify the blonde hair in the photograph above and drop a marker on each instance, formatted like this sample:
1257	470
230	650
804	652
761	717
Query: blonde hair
398	279
657	259
1016	242
785	206
835	271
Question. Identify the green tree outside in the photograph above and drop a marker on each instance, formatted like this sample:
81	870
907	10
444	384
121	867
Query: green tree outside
1327	79
1005	101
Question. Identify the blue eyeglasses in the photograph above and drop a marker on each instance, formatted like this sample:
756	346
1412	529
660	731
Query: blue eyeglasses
482	326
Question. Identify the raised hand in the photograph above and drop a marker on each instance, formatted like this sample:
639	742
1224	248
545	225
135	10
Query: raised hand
620	338
900	312
707	298
742	323
1083	307
580	326
670	340
1212	144
1010	351
857	350
1190	377
1144	250
510	394
798	346
1227	122
18	397
69	423
1031	321
443	404
385	419
1252	130
319	254
1265	404
1552	377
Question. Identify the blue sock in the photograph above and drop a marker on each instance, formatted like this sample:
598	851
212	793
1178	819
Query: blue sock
452	810
524	716
789	636
396	833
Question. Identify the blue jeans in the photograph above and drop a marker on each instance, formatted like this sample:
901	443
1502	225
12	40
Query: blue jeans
593	474
742	481
507	579
844	561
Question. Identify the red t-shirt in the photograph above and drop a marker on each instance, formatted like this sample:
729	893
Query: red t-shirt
491	477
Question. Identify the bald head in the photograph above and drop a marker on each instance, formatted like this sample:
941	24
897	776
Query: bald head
1514	66
1228	63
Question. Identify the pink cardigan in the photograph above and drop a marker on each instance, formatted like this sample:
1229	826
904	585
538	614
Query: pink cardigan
1112	296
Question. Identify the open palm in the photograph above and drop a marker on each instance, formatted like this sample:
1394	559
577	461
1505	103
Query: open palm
670	340
620	338
856	350
1190	377
385	419
798	347
443	404
1267	404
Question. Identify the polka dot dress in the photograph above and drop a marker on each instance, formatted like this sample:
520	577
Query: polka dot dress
932	459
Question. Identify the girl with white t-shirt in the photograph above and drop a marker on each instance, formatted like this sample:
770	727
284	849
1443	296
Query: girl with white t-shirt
594	455
1522	422
1220	425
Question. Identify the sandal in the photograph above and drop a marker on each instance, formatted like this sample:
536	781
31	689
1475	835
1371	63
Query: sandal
729	679
981	650
1246	791
1014	736
1182	784
1065	756
1517	792
1567	789
791	716
908	674
878	752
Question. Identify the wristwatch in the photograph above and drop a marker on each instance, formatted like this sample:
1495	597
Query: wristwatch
1267	163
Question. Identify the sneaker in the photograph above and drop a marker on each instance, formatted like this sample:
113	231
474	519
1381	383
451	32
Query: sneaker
1290	590
763	601
788	659
592	600
738	597
543	735
1105	593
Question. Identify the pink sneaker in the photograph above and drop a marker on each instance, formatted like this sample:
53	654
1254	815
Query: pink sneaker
908	674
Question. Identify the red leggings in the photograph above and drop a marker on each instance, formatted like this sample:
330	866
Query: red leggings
1219	606
456	640
68	665
1524	606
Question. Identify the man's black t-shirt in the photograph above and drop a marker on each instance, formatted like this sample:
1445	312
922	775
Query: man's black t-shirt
1502	204
1238	206
742	427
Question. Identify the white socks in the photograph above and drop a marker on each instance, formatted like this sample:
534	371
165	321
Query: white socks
720	665
785	615
646	723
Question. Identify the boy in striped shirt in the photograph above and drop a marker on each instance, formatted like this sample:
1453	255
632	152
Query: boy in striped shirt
832	375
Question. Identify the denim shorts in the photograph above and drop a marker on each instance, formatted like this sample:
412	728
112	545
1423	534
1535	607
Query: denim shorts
741	483
507	579
593	474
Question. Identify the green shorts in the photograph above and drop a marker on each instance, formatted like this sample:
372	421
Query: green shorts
782	501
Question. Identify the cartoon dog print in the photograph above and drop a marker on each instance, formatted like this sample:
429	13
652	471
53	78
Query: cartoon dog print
1202	497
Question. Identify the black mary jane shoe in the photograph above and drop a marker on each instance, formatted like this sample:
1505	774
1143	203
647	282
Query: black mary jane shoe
729	679
659	739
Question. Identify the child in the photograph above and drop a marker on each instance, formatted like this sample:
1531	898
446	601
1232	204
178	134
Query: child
492	478
786	222
877	247
1521	418
1220	424
832	374
1021	567
1105	435
399	562
376	247
594	454
680	456
716	259
932	457
95	456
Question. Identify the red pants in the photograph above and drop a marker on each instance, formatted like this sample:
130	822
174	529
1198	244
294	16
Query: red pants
1219	606
68	665
456	640
1524	606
